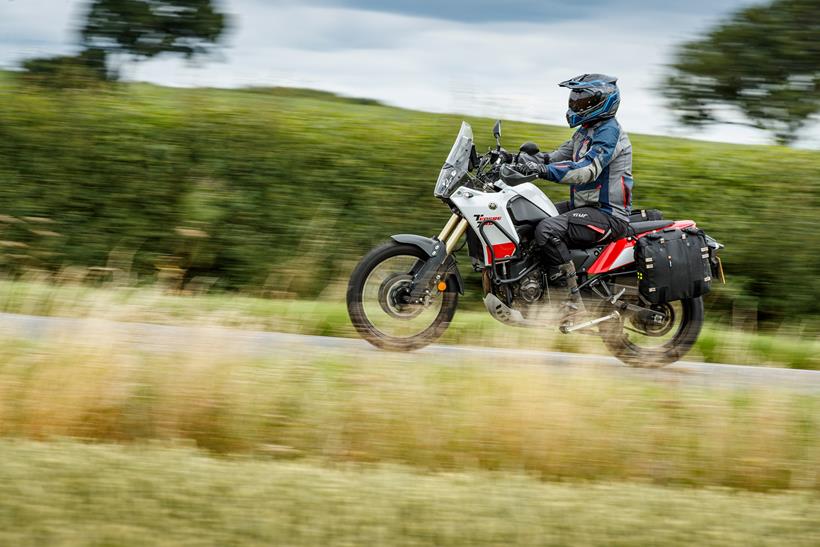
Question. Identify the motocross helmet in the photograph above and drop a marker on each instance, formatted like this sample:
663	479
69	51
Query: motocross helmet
592	97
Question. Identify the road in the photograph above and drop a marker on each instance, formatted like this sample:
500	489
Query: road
168	338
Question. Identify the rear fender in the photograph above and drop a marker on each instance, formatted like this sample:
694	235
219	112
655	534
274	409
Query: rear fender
434	249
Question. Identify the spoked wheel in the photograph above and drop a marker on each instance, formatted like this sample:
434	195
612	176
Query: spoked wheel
379	306
657	340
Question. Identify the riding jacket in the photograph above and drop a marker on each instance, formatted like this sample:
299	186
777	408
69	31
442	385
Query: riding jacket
597	164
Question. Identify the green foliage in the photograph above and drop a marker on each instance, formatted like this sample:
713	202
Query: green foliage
765	61
66	71
291	187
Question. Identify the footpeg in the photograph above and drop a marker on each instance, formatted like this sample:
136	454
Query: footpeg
614	299
566	329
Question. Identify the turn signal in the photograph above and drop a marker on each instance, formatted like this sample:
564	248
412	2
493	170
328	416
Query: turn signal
442	286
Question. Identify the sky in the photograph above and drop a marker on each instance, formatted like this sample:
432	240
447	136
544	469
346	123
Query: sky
489	58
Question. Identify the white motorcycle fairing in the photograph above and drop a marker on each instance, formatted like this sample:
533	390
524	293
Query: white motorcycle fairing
480	207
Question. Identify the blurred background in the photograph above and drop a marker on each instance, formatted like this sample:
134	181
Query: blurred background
234	142
203	164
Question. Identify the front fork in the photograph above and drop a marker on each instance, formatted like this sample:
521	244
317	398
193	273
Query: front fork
449	236
452	232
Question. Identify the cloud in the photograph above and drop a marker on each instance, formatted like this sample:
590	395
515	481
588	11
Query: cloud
30	28
499	69
405	55
528	11
312	28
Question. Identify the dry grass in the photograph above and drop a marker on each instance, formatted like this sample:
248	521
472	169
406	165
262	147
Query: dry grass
101	384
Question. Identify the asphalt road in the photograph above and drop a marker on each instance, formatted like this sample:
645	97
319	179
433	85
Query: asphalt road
168	338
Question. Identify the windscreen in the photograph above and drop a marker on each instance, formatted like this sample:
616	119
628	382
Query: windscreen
457	164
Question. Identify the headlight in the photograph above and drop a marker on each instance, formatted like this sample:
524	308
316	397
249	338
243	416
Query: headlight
447	179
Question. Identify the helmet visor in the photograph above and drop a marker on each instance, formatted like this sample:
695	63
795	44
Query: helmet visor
581	100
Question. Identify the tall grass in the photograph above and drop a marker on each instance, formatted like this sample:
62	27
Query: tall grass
70	494
368	406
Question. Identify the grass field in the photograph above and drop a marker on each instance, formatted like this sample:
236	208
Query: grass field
718	343
110	440
72	494
445	413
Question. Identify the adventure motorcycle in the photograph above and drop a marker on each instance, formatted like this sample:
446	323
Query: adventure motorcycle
403	294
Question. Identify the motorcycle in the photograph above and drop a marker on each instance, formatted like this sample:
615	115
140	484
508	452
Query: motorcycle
403	294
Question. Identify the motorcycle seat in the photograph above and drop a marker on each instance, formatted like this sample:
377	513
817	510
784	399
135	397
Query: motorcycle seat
650	225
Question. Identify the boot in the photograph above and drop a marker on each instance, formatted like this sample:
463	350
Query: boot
573	307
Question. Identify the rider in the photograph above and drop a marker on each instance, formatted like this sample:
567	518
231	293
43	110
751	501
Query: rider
597	164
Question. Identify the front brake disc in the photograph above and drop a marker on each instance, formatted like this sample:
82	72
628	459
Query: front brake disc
393	294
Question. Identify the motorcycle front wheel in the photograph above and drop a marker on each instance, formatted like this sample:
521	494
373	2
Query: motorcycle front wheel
377	304
655	345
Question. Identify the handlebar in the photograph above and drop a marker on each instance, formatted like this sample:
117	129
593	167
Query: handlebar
511	177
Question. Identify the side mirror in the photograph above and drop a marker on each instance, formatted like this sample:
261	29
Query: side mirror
497	134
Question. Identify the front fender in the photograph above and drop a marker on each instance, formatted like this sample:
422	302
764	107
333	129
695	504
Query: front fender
433	248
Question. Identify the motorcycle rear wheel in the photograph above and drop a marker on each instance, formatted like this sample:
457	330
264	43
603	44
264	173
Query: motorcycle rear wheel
375	307
635	353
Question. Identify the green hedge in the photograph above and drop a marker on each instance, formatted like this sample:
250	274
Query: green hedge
292	186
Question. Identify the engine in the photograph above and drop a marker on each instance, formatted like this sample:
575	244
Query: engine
530	289
524	295
528	292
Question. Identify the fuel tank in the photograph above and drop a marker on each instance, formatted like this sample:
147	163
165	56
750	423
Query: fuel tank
533	194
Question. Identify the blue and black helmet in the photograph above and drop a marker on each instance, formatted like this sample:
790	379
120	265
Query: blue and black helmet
592	97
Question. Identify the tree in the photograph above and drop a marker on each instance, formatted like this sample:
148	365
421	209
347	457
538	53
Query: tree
764	63
141	29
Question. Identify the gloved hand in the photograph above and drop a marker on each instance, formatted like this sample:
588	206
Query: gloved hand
528	164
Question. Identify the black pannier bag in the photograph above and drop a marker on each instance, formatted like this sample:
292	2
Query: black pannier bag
673	265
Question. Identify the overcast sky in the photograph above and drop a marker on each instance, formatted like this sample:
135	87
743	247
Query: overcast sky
489	58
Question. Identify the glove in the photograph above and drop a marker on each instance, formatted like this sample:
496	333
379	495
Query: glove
530	148
528	164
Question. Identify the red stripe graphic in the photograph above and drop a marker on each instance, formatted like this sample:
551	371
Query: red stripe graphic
501	251
607	259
